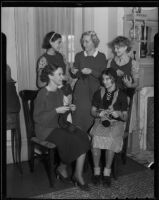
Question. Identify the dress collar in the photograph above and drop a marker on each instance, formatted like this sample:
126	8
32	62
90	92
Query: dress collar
94	55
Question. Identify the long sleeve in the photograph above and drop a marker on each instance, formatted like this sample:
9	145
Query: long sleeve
43	114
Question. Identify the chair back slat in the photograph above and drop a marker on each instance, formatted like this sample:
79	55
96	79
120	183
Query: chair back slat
28	97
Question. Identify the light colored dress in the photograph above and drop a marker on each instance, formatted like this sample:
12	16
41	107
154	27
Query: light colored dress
108	137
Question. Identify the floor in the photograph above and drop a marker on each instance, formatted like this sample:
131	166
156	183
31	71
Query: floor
30	184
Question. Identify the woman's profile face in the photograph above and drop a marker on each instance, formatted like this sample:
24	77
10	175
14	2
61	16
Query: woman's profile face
107	81
88	43
56	45
57	76
120	50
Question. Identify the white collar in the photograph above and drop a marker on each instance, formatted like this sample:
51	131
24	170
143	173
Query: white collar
94	55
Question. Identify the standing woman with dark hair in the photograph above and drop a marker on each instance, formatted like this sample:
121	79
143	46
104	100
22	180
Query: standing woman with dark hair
87	68
52	43
72	144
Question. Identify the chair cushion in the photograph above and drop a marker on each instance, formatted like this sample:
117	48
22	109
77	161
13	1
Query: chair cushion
43	143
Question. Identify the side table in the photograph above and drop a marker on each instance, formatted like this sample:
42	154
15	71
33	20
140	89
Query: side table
13	124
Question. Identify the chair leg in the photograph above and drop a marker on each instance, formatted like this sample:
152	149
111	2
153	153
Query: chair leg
124	150
31	160
51	167
114	167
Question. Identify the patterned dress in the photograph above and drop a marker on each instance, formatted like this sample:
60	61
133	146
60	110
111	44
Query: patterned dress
85	87
45	59
110	137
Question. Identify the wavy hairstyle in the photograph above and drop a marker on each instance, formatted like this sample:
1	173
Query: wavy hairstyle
46	71
94	38
120	41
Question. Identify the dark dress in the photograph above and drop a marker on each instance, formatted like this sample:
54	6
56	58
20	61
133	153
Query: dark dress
131	69
127	69
70	145
45	59
85	87
110	137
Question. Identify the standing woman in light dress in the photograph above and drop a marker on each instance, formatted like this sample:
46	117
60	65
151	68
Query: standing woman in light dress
87	68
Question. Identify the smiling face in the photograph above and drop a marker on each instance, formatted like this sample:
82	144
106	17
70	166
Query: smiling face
120	50
57	76
88	43
108	81
56	45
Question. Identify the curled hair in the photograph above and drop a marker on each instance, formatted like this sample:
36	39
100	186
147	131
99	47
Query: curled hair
94	38
46	71
51	36
109	72
120	41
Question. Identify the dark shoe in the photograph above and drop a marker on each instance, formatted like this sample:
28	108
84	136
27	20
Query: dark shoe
83	187
96	179
107	181
61	177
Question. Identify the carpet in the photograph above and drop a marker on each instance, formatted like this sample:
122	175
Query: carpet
135	185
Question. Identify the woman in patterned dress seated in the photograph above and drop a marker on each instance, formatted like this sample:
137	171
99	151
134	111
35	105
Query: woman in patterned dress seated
109	108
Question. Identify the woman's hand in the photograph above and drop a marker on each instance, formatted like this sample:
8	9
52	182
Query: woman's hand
74	70
127	82
86	71
62	109
72	107
116	114
120	72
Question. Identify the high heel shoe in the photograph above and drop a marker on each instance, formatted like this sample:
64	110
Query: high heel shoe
76	182
61	177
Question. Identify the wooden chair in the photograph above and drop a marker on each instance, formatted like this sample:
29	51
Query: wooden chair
123	152
47	149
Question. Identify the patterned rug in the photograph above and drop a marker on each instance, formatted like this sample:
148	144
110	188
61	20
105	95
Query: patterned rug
135	185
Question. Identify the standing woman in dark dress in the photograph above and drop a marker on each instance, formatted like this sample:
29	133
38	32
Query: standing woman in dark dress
71	145
52	44
127	70
88	65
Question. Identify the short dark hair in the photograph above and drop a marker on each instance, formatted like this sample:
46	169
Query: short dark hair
51	35
121	41
46	71
109	72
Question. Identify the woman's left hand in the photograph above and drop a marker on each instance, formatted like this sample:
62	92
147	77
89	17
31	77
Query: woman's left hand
86	71
127	82
72	107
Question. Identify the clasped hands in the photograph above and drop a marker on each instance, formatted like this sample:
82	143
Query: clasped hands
107	114
63	109
84	70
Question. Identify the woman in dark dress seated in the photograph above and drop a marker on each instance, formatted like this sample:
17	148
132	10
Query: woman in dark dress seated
72	143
